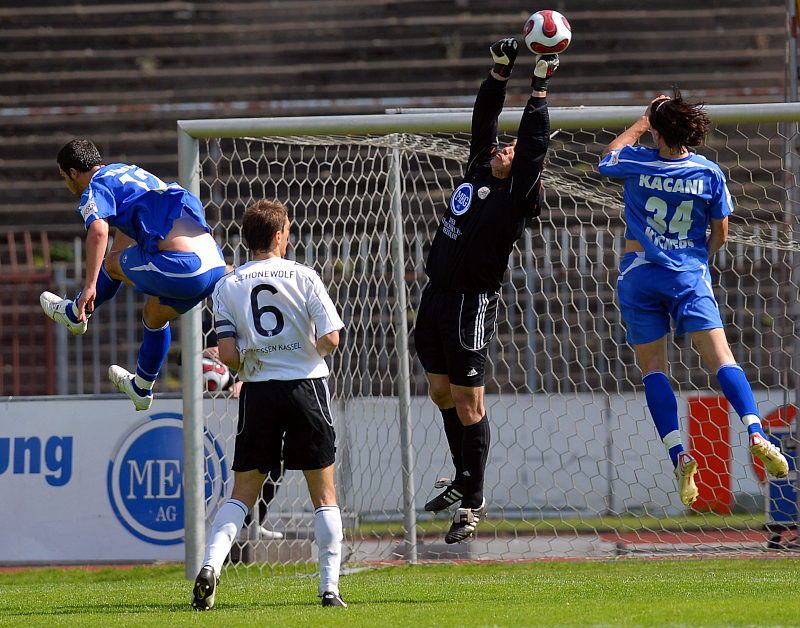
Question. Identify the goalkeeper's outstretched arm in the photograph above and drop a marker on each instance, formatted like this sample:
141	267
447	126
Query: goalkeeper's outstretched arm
533	139
489	102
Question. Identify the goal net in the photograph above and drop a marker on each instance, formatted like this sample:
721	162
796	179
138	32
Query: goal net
576	468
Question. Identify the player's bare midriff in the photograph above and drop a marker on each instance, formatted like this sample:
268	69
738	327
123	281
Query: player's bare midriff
186	236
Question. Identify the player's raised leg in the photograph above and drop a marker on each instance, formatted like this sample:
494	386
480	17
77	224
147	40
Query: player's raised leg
712	344
63	312
72	314
66	311
663	406
156	340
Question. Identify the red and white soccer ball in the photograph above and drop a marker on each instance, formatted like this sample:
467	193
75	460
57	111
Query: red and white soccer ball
547	33
215	374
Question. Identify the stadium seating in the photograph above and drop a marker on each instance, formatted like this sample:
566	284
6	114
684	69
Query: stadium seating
122	74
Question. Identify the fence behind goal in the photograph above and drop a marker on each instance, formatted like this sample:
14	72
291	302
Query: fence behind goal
576	467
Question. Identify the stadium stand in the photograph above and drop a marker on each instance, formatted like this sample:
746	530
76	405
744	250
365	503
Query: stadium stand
122	74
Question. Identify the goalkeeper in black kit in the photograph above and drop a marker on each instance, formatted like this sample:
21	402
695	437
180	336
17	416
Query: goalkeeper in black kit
486	215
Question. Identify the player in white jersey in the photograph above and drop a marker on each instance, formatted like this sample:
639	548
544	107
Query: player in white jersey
673	198
275	324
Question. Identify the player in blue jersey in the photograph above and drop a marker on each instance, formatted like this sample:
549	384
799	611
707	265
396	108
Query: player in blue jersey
676	213
162	247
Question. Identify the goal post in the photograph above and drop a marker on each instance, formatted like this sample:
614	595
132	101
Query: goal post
574	453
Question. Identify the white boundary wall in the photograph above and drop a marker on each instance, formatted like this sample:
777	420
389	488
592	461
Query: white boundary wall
89	480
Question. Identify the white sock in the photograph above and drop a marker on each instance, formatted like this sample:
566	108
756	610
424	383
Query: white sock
328	535
144	384
673	439
749	419
226	526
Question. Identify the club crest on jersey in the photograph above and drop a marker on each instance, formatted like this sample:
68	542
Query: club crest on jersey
483	192
461	199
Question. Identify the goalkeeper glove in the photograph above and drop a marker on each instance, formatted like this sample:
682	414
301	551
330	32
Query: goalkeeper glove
504	53
546	66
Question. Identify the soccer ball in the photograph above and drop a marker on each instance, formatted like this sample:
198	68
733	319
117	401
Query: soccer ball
215	375
547	33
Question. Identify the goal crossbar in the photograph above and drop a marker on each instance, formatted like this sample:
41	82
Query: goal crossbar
560	117
780	148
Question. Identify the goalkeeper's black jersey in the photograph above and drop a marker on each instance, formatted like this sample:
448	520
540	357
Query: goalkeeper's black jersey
486	215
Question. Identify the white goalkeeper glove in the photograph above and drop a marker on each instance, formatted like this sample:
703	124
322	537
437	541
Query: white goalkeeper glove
546	66
504	53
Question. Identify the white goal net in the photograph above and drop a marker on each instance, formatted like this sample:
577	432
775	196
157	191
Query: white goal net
576	468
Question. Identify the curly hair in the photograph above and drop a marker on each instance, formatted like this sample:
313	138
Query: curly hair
79	154
680	123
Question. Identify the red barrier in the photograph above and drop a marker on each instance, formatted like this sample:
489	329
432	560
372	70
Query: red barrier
709	442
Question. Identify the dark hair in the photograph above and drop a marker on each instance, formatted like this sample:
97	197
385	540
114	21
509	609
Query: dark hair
262	220
680	123
79	154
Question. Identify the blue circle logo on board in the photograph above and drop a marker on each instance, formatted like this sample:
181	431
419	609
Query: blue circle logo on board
461	199
145	479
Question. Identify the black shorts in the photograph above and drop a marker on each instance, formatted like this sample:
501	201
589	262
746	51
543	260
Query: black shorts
285	421
452	334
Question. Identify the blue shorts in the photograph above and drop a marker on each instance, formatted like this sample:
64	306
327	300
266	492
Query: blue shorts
650	295
179	280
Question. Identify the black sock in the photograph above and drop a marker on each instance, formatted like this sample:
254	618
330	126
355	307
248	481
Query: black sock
474	454
453	432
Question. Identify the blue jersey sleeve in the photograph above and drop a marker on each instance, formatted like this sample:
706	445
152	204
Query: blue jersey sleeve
623	162
96	202
721	204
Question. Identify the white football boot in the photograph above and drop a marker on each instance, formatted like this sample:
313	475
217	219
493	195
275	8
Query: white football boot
684	473
770	455
55	308
123	381
265	534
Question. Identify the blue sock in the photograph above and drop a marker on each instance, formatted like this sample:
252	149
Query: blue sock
107	289
737	390
70	311
664	409
152	354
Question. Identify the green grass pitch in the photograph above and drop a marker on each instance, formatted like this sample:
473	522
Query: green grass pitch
632	592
